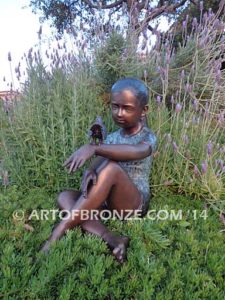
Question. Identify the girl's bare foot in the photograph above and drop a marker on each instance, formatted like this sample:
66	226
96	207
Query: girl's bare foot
119	247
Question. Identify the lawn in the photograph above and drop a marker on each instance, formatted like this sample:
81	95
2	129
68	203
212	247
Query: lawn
177	252
168	258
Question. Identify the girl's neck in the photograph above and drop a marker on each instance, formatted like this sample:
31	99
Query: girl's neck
133	130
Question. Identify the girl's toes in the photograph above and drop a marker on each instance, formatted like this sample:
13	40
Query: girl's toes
120	253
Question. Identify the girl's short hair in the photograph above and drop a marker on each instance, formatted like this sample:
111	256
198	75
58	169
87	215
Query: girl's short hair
136	86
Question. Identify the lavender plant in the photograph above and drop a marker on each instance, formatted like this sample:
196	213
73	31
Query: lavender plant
188	109
50	121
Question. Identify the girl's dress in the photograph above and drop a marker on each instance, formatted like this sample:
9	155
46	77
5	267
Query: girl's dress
137	170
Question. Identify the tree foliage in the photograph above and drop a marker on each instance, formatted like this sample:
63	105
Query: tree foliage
132	14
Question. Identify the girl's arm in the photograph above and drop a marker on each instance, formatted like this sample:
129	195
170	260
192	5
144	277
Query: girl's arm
119	152
124	152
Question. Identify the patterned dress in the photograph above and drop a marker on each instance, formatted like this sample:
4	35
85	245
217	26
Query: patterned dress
137	170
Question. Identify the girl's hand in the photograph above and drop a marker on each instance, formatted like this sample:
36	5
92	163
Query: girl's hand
79	157
89	175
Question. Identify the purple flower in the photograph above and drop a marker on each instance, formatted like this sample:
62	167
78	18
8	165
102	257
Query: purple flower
184	24
172	99
182	74
9	56
145	73
209	148
204	166
162	72
220	163
201	5
178	108
195	104
158	99
40	32
175	147
196	171
30	54
194	22
188	88
168	58
218	76
216	24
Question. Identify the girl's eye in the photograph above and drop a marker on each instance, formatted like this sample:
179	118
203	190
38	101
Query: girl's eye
129	109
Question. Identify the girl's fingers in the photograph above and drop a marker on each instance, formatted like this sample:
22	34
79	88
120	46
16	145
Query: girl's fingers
81	163
84	190
67	162
72	165
94	178
84	186
76	165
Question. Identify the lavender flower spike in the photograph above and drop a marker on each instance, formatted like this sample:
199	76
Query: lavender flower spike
196	171
194	22
158	99
9	56
145	73
209	148
175	147
178	107
182	74
204	167
195	104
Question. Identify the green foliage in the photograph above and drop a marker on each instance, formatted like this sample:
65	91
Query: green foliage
115	59
174	258
50	121
192	70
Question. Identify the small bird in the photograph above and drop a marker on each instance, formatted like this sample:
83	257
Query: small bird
97	132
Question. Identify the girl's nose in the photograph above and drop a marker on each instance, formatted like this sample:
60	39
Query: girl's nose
120	112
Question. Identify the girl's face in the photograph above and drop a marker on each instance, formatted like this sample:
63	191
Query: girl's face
126	109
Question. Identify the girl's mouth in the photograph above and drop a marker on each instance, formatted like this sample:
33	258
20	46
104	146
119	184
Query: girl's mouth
120	121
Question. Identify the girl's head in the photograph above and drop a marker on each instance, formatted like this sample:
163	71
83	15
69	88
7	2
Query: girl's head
129	100
136	86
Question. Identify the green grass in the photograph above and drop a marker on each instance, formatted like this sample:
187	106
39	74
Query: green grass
167	259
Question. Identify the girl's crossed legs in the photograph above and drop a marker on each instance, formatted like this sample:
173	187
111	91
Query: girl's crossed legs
114	187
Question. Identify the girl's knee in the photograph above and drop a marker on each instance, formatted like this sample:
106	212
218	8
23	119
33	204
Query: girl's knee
110	170
67	197
111	166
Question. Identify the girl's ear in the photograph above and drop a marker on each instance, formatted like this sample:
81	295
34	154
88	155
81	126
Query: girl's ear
145	110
